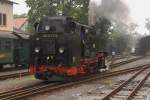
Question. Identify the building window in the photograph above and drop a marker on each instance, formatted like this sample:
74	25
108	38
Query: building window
3	19
0	19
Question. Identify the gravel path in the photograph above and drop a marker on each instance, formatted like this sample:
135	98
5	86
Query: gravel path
13	72
14	83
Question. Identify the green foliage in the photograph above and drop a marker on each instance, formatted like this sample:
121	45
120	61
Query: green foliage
74	8
102	29
120	41
147	24
111	38
20	16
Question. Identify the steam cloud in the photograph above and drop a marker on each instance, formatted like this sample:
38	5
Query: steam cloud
115	10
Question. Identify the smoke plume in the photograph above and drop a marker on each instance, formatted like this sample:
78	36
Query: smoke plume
115	10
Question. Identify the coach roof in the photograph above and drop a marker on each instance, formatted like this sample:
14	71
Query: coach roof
6	34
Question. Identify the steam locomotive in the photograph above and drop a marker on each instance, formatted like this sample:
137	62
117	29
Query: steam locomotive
63	49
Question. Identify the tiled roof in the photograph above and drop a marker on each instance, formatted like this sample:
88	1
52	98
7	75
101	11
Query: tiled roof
19	22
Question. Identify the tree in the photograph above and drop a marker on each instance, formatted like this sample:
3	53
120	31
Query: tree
147	24
120	41
102	26
20	16
132	28
39	8
74	8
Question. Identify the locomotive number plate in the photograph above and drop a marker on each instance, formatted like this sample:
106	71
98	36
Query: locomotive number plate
50	35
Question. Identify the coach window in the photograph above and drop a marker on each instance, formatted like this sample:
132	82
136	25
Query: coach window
7	45
0	45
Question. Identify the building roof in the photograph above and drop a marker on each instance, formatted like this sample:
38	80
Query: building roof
21	34
8	1
7	34
19	22
15	34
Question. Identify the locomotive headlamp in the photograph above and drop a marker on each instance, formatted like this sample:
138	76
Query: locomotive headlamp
61	50
37	50
94	45
47	57
37	39
47	27
51	57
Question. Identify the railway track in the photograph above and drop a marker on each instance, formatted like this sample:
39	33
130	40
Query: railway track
117	57
29	91
128	89
15	75
125	62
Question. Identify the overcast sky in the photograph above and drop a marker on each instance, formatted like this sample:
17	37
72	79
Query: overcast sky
139	9
21	7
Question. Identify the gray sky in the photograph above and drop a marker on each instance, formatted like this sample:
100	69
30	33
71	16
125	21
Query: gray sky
20	8
139	10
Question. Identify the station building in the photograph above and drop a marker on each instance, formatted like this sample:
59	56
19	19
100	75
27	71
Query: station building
7	20
6	15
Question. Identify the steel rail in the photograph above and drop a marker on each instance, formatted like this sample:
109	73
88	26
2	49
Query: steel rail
26	93
130	96
15	75
12	91
109	58
20	92
125	62
113	92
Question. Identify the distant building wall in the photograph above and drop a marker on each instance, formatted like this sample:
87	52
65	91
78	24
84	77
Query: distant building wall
24	27
6	15
93	12
92	19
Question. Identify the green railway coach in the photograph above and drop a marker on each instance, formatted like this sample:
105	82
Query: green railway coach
14	49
